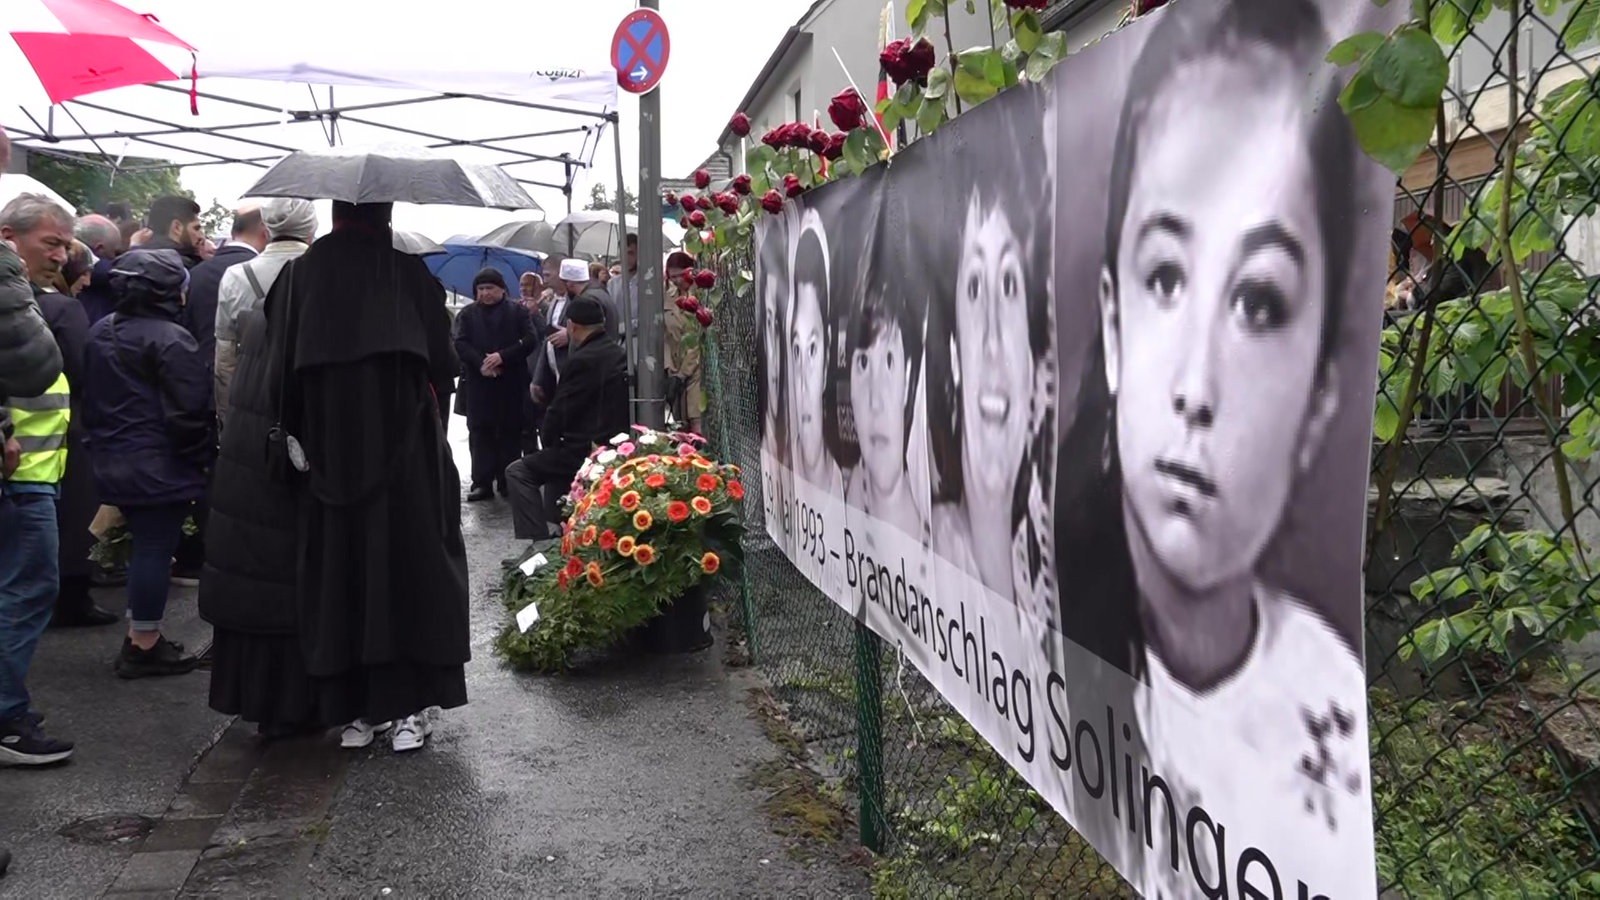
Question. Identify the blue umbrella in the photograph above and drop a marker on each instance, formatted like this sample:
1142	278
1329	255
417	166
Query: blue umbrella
458	264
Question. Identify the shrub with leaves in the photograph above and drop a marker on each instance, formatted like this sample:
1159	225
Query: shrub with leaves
651	517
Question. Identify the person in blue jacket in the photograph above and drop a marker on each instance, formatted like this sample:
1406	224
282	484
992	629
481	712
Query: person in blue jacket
152	430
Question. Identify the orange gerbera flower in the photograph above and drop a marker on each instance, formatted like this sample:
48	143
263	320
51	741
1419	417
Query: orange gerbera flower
736	490
602	497
655	480
710	563
592	572
642	520
608	540
630	501
566	544
700	463
677	510
626	481
625	545
583	506
706	483
644	554
701	505
589	534
574	567
562	580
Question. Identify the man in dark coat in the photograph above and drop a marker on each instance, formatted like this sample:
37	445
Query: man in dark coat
574	283
104	240
493	337
382	612
249	238
589	407
174	224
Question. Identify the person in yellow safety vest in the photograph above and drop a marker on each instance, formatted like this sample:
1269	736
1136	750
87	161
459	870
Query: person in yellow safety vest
29	567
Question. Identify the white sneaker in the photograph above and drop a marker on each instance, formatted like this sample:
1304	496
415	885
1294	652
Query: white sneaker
359	734
412	732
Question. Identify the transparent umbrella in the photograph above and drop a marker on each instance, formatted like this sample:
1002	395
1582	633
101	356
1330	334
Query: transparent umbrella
593	233
416	244
536	236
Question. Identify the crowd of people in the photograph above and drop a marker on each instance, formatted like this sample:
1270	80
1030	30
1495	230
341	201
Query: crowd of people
266	418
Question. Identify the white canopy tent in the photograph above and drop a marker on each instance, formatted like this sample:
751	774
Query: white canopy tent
307	73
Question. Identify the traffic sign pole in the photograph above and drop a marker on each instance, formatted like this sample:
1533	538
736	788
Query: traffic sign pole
651	399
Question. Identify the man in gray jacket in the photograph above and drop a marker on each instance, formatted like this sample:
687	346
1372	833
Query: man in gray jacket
30	361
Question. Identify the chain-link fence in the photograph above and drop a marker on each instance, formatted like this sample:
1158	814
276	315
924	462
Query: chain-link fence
1482	641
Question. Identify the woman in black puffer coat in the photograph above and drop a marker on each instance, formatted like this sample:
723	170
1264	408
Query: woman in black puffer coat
247	588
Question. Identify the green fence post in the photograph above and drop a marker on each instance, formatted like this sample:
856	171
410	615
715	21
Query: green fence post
725	452
869	735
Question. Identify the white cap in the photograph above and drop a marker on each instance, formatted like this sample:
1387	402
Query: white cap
574	270
290	217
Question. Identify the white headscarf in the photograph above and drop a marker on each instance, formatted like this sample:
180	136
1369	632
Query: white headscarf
290	217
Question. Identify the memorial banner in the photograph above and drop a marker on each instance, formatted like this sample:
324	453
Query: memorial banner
1071	403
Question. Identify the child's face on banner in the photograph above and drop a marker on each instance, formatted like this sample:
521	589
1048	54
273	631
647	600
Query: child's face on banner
809	366
992	349
772	335
878	381
1219	311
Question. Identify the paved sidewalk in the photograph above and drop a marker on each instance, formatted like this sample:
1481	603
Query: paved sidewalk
620	784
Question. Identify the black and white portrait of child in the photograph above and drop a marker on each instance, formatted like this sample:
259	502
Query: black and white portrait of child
883	349
991	381
773	284
813	412
1231	234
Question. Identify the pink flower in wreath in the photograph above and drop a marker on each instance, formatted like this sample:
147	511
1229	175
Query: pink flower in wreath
627	448
685	449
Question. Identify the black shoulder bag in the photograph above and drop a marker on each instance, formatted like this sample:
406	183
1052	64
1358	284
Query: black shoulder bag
285	456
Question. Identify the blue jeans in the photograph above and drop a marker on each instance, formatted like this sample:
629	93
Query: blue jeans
30	576
156	531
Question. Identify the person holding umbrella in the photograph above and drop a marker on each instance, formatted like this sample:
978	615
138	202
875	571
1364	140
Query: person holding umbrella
493	339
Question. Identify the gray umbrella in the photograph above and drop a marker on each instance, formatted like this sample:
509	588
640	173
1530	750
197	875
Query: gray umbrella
415	244
391	174
534	236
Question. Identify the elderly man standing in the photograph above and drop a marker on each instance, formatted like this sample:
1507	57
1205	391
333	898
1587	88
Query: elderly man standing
41	229
590	405
493	339
104	240
30	364
291	226
574	283
30	540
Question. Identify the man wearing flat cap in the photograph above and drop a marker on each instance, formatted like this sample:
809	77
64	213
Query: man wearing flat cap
590	405
573	282
493	339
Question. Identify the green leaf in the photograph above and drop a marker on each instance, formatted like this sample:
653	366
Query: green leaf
1052	49
930	117
856	151
1582	23
917	14
1392	134
973	89
1026	25
1409	68
938	86
1355	48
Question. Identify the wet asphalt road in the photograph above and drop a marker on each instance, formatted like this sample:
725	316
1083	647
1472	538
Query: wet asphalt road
624	783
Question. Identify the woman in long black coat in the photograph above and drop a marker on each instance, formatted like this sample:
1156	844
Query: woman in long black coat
248	585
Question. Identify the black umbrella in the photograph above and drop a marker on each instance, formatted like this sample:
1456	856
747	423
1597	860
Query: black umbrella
391	174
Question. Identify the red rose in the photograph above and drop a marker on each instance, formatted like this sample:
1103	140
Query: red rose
688	304
688	202
772	202
905	61
728	203
739	125
773	138
835	147
792	185
847	110
819	142
697	219
705	279
671	198
702	179
741	185
796	135
707	203
683	222
704	315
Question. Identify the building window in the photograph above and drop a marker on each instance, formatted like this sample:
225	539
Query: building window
792	105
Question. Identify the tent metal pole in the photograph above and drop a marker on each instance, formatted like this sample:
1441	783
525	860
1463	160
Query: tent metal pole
630	315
